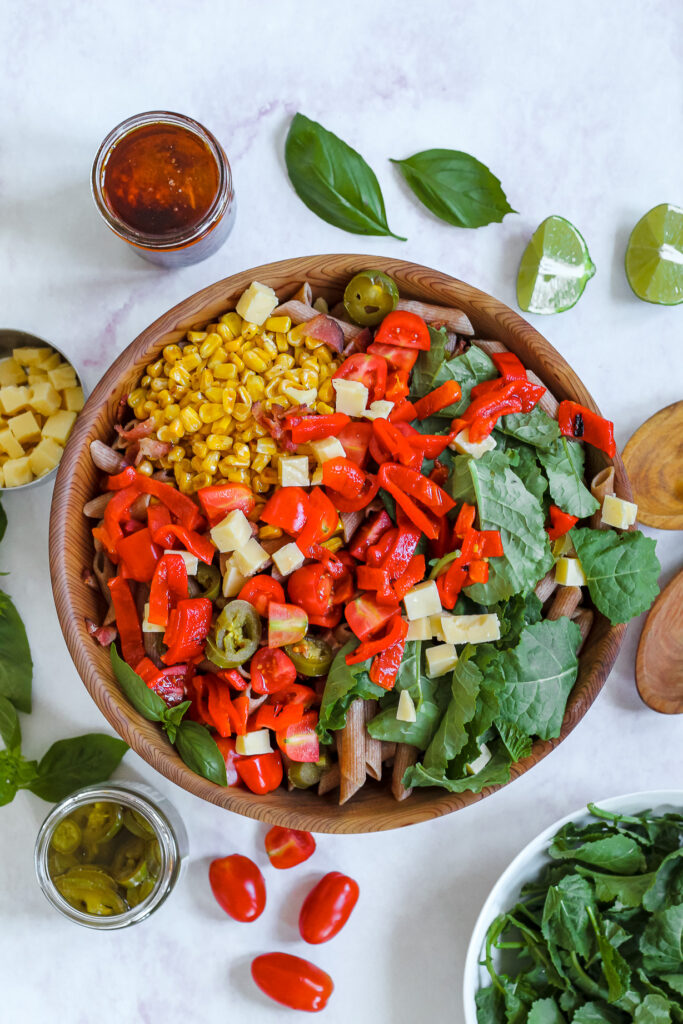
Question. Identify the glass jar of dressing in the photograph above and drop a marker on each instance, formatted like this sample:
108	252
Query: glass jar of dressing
107	856
163	184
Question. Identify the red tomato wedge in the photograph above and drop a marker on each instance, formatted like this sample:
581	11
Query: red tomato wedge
300	740
406	330
217	501
287	847
292	981
365	615
287	623
369	370
238	886
398	358
271	670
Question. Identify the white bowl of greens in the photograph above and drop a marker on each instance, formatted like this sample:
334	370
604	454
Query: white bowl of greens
599	897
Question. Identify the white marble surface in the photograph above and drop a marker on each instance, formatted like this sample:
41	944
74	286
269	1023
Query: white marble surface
576	107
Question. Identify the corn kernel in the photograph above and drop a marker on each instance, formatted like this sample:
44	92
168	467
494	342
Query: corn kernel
205	380
223	426
326	392
141	413
249	330
266	445
172	353
233	321
279	324
323	409
146	381
258	431
256	388
217	359
190	420
145	467
209	412
136	397
237	476
154	369
196	336
226	371
176	429
210	462
159	384
150	406
224	333
209	346
254	361
309	379
270	533
269	347
157	417
312	343
180	375
259	486
219	442
333	544
200	448
285	360
259	462
177	453
214	394
201	480
324	355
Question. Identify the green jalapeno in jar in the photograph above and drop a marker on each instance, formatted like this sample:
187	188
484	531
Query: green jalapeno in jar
129	866
312	656
93	893
369	296
137	823
235	635
66	837
103	822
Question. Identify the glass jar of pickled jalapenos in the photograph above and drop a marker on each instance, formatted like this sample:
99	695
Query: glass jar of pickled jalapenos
107	856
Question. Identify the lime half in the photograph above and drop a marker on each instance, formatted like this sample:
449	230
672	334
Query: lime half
654	256
554	269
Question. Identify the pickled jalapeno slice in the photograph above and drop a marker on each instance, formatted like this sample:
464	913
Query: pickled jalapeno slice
369	296
104	821
66	837
209	579
312	656
129	866
137	823
235	635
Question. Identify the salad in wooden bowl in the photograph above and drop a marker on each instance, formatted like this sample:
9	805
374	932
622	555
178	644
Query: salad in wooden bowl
344	535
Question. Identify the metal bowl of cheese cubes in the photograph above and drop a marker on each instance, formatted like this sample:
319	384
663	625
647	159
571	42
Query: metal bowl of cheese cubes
123	387
40	397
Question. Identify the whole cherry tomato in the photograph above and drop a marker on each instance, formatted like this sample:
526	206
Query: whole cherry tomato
238	886
327	907
292	981
271	670
287	847
261	773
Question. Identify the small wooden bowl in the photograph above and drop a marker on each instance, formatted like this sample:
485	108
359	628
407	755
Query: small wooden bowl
373	808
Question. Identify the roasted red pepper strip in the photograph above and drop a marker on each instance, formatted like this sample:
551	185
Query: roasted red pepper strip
219	705
477	571
439	473
430	445
187	630
412	575
116	511
465	520
233	678
385	666
397	386
194	542
369	370
398	554
368	534
127	621
127	477
528	393
585	425
451	583
396	443
377	580
169	585
368	649
560	523
321	522
376	553
157	516
313	428
509	366
403	412
289	509
407	487
488	544
261	773
404	329
182	507
139	554
357	504
438	399
344	477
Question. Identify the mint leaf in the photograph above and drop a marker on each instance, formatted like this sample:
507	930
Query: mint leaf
564	465
76	762
200	752
10	730
621	571
456	187
145	701
333	180
16	666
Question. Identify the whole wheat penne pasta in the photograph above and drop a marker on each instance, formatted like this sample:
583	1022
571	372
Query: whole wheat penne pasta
546	587
453	319
321	305
351	748
547	402
373	748
105	458
329	779
602	484
103	570
300	312
565	602
338	311
388	750
583	617
304	294
94	509
489	347
405	756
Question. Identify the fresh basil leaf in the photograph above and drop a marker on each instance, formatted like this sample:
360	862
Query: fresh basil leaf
16	666
145	701
564	465
76	762
200	752
621	571
505	504
429	708
495	773
434	367
545	1011
452	734
10	730
334	180
172	717
517	743
536	428
456	187
661	944
3	521
667	883
566	922
15	773
344	683
654	1009
618	853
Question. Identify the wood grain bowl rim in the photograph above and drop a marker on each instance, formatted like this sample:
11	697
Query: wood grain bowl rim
373	808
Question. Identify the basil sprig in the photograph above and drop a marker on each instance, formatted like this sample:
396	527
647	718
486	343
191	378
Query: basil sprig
194	743
456	187
333	180
16	666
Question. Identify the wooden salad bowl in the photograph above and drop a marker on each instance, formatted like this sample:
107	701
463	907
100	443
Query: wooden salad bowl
373	808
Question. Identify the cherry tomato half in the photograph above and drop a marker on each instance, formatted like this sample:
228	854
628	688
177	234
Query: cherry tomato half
238	886
292	981
287	847
310	587
271	670
407	330
259	591
369	370
327	907
354	439
300	741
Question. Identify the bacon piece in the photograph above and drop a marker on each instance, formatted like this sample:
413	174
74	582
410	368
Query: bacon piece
324	328
135	431
274	423
104	635
359	343
151	448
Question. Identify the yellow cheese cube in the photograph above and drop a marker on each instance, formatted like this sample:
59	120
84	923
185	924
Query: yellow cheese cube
36	377
352	397
563	546
617	512
288	558
293	471
50	361
422	600
233	581
250	559
328	448
11	373
63	376
479	762
25	427
44	398
470	629
58	426
476	449
9	444
405	712
150	627
317	477
45	456
233	532
437	628
569	572
13	399
440	659
420	629
256	303
30	356
17	472
253	743
74	399
378	410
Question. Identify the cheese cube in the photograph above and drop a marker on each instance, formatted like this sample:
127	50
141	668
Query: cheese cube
30	356
328	448
45	456
37	377
352	397
11	373
44	398
617	512
378	410
420	629
9	444
293	471
233	532
405	712
74	399
17	472
437	628
250	558
253	743
422	600
563	546
25	427
470	629
479	762
62	376
569	573
233	581
191	561
256	303
288	558
317	477
13	398
58	426
476	449
50	361
440	659
150	627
